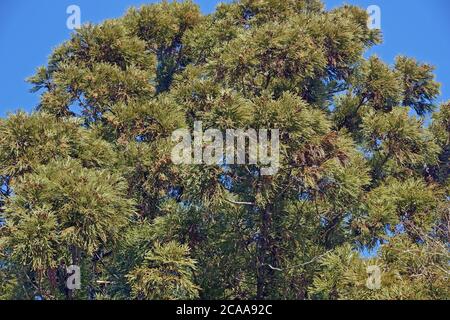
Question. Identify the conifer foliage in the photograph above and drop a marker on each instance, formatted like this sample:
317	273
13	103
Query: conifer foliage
87	178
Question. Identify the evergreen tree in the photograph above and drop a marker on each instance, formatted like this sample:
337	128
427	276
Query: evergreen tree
360	167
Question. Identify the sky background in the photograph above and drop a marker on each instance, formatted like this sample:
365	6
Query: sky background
30	29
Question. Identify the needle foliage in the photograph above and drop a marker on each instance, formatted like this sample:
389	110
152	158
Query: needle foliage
87	177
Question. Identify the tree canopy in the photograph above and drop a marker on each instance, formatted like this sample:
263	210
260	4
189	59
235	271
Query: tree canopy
87	177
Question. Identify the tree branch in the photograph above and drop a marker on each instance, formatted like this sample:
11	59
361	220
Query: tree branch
240	203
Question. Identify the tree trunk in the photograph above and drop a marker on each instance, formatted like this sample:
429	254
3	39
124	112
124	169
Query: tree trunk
265	258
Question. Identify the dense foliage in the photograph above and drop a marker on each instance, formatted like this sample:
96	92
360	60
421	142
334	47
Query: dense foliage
87	178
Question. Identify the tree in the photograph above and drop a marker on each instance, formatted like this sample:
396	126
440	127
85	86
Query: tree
360	167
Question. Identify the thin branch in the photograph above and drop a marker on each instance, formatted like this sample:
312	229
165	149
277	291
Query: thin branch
273	268
240	203
314	259
300	265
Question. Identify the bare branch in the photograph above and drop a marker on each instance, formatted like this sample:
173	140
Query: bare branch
240	203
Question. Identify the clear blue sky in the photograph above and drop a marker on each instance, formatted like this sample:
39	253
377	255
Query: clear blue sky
30	29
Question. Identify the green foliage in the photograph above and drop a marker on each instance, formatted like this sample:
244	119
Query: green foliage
165	275
419	86
27	141
399	143
63	208
377	85
360	167
409	272
410	204
88	205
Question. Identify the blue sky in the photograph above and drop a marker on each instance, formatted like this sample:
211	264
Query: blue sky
30	29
